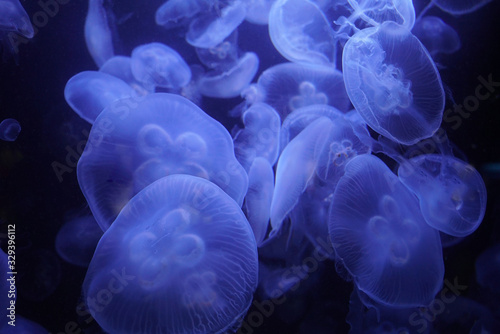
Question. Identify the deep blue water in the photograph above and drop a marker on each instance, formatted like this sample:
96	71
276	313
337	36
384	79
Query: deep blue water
33	198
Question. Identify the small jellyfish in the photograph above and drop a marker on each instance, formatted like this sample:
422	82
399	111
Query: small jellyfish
13	18
393	83
259	196
98	34
211	28
231	82
157	65
488	268
174	13
89	92
77	240
9	129
381	238
135	142
296	168
452	193
301	33
460	7
436	36
180	258
259	137
376	12
290	86
223	55
121	68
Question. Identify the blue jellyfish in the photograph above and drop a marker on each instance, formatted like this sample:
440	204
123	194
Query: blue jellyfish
211	28
13	18
460	7
290	86
223	55
9	129
259	196
227	83
181	257
77	240
40	275
135	142
296	168
258	11
157	65
436	35
98	34
121	68
381	238
488	268
259	137
393	83
301	33
376	12
175	13
89	92
452	193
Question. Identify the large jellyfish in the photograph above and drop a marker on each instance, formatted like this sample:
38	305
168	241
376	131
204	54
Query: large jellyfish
436	35
9	129
89	92
290	86
452	193
137	141
157	65
301	33
393	83
381	238
98	34
180	258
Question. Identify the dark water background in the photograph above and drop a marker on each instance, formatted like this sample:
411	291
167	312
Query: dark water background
33	198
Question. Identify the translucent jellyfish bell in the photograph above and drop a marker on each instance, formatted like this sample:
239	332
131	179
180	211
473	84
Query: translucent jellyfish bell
9	129
181	257
290	86
223	55
258	11
98	35
436	35
121	68
301	33
452	193
393	83
213	27
176	12
14	18
157	65
376	12
381	238
460	7
135	142
89	92
259	137
228	83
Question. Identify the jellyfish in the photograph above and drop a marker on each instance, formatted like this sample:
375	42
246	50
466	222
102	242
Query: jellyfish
393	83
211	28
377	12
98	34
89	92
137	141
259	196
260	136
460	7
290	86
258	11
436	36
381	238
231	82
13	18
174	13
39	275
296	168
9	129
223	55
181	257
77	240
488	268
121	68
452	193
301	33
157	65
